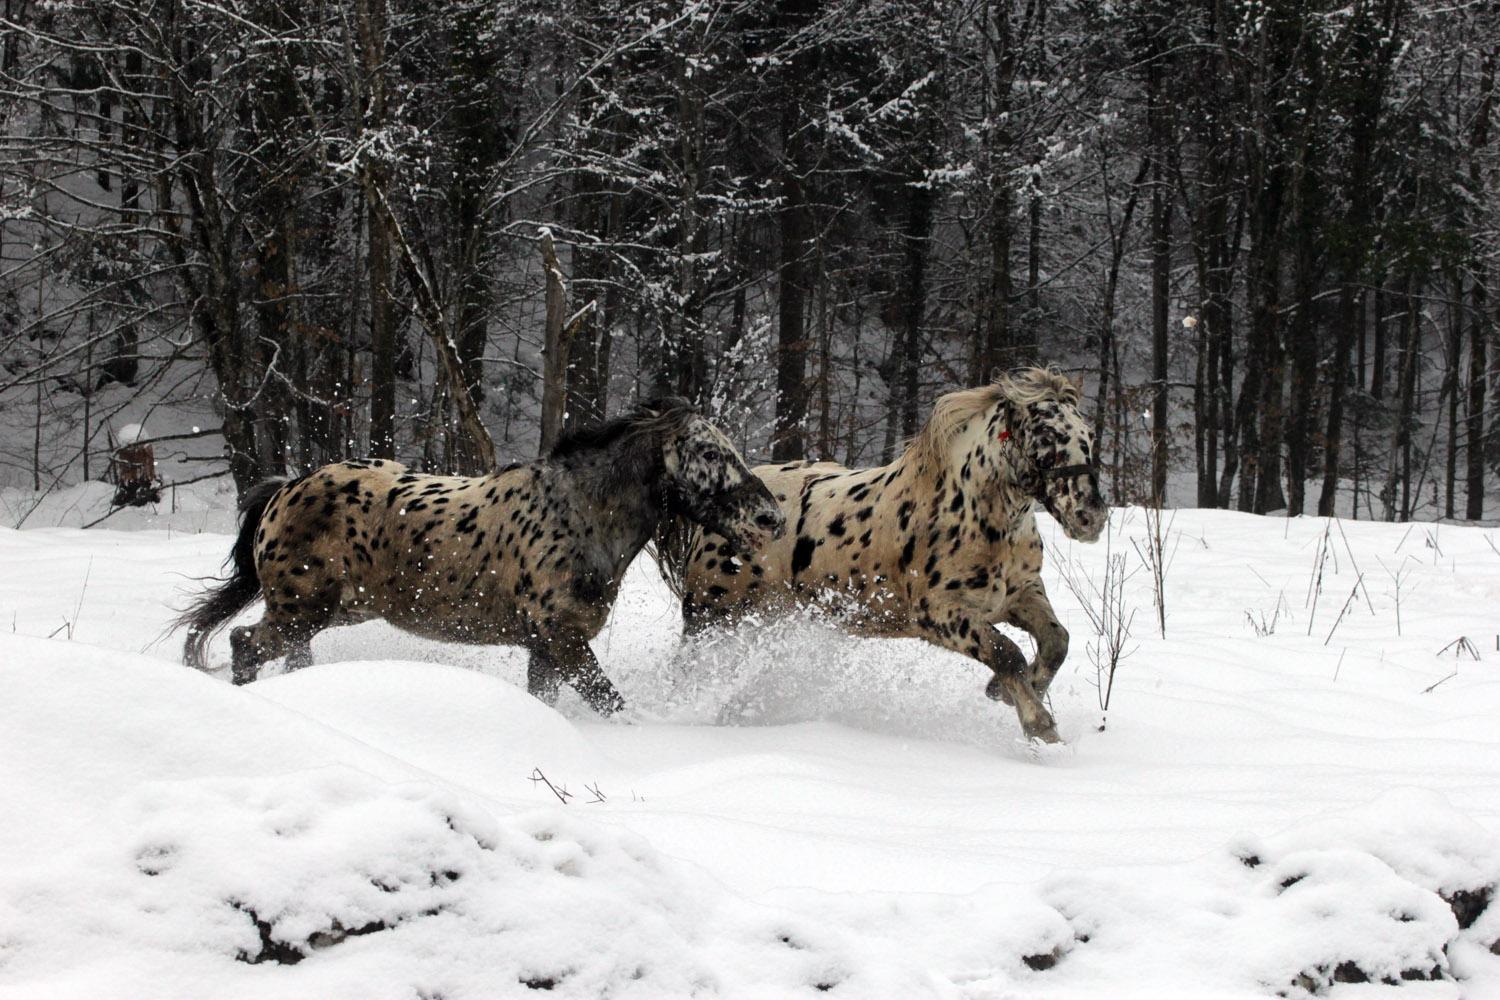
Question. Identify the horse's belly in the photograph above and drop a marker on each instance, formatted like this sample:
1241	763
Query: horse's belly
456	628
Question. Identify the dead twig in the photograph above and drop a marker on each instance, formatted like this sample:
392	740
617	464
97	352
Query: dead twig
1315	582
1263	626
1395	578
1156	560
1345	609
1431	687
537	777
1349	550
1460	646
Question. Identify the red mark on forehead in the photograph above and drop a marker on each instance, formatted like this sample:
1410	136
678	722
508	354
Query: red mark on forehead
1005	435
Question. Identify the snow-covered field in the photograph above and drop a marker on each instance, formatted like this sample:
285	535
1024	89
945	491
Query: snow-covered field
1291	790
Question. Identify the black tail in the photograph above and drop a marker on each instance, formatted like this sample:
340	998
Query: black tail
234	593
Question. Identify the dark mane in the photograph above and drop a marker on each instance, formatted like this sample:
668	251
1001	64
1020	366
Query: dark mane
644	417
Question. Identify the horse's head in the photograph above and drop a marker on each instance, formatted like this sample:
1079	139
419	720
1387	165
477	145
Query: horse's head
1054	450
708	483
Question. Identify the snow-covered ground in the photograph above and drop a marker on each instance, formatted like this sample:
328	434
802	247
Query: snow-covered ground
1291	790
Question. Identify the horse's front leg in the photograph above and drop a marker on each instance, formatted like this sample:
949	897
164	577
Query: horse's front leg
979	640
575	663
543	676
1031	612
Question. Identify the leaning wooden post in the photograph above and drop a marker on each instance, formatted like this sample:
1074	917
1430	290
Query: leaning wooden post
558	334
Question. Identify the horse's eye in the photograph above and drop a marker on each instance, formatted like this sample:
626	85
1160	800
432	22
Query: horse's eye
711	455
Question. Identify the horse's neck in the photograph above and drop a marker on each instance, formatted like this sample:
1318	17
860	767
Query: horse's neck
1003	506
996	502
623	509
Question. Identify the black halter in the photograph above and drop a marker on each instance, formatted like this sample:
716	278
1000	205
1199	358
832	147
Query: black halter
1085	469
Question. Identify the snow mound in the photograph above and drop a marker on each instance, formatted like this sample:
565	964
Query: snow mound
1341	915
1416	833
255	838
794	811
374	889
401	885
466	725
1393	893
240	837
1380	893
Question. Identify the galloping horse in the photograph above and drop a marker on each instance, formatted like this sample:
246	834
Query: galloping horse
939	545
531	555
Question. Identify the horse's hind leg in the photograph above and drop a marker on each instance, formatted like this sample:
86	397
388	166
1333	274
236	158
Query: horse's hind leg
1032	612
697	618
299	655
252	645
249	648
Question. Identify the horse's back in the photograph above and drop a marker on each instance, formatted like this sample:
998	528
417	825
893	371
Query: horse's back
370	538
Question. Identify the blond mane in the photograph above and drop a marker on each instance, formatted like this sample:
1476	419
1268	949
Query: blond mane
929	449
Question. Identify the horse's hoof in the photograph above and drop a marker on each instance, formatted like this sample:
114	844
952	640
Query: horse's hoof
1039	751
1047	735
608	705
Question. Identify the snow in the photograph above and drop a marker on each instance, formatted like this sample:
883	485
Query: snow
130	433
786	811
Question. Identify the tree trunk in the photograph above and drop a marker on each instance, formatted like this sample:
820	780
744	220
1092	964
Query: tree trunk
1399	459
372	39
914	302
1452	360
1344	336
599	214
1474	452
1304	339
1161	266
998	347
554	350
791	345
1261	398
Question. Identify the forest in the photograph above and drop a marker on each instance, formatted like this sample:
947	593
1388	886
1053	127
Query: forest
1263	234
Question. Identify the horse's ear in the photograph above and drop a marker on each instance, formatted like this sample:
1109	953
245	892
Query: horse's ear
666	404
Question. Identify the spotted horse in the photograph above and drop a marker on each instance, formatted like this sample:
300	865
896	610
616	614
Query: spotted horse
531	555
940	545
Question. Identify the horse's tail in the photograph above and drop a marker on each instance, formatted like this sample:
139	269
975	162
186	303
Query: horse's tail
228	596
670	547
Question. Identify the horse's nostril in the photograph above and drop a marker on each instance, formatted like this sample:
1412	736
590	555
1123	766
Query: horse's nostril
768	521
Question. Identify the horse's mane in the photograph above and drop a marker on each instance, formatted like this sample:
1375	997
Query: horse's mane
929	448
645	417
